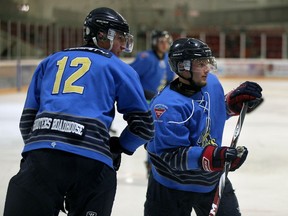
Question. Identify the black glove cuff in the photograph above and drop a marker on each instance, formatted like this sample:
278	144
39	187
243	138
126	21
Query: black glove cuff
115	146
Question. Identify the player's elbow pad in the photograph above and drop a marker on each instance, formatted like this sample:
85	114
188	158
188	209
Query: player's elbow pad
141	124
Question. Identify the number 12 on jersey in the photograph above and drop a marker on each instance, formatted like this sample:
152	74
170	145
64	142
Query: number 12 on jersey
76	75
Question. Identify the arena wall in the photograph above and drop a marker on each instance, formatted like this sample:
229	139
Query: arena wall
15	75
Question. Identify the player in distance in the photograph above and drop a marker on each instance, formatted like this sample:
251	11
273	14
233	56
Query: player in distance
152	65
187	153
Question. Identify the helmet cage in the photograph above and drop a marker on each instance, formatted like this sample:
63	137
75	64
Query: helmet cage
124	37
187	65
209	62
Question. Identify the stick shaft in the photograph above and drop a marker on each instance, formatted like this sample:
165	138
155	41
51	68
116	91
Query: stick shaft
221	185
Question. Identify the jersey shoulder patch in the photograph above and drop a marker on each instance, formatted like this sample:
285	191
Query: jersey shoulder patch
159	110
144	54
91	49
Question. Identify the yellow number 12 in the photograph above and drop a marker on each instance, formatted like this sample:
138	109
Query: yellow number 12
68	84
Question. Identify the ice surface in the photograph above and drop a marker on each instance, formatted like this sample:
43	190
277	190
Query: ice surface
261	184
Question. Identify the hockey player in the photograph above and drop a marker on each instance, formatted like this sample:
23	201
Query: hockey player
153	68
66	119
152	65
187	153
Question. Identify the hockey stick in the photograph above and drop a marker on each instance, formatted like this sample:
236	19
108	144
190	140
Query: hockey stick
221	185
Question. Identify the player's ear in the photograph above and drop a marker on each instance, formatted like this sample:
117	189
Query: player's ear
101	36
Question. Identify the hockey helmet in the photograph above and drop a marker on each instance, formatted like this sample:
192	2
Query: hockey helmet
184	51
107	20
156	35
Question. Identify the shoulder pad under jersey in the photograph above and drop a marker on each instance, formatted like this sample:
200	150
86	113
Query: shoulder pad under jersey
91	49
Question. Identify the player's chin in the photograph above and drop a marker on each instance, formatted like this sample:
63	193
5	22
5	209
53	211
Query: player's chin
203	79
203	83
117	53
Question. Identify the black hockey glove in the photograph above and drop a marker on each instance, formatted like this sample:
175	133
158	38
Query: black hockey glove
247	92
116	150
116	160
115	146
213	158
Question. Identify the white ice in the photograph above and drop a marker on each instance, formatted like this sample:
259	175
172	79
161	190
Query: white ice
260	184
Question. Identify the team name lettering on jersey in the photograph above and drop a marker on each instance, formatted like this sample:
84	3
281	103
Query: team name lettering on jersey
42	123
67	126
58	125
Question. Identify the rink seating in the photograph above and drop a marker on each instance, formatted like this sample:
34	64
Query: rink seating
16	74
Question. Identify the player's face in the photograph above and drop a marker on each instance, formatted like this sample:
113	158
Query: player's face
122	42
163	44
200	72
118	44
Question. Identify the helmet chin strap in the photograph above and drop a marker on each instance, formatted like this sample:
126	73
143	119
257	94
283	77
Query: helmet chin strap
96	43
191	81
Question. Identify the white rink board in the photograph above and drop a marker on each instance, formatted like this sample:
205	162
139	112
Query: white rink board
261	184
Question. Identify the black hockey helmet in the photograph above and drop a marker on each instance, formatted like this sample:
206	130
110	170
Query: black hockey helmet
105	19
184	51
156	35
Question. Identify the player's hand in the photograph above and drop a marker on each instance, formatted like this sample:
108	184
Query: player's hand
116	150
115	146
247	92
116	157
242	153
213	158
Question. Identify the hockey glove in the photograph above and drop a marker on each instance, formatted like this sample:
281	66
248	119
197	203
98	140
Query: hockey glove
116	160
247	92
116	150
242	153
115	146
213	158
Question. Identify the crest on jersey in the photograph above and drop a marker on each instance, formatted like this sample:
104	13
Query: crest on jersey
205	138
91	213
159	109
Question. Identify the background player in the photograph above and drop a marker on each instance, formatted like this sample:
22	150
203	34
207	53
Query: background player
187	153
66	119
152	65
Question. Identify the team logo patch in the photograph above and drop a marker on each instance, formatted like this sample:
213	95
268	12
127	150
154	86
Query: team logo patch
91	213
159	109
144	55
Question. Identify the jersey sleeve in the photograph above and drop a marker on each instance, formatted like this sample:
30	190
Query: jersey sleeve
32	102
174	144
132	104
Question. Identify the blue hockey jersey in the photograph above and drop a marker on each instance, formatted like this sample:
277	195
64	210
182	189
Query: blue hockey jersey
153	72
70	104
184	125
